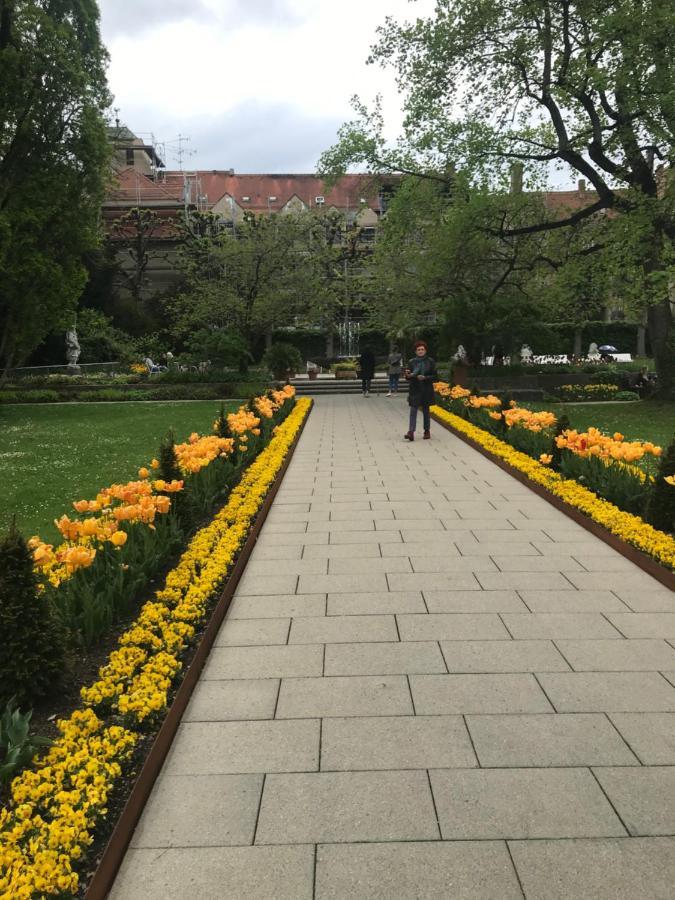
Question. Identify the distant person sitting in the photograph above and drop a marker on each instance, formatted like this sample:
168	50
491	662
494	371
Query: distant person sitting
645	383
152	367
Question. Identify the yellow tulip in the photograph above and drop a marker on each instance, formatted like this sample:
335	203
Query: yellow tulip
119	538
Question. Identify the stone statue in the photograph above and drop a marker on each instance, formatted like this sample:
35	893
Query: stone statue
526	353
72	350
593	352
460	356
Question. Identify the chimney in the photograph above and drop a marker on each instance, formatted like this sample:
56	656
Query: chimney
230	171
582	185
517	178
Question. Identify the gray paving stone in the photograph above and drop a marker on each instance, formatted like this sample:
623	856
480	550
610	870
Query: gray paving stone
459	581
372	515
569	739
248	632
608	691
416	526
264	551
474	601
289	540
486	804
332	807
263	662
451	626
376	603
572	601
365	537
464	694
519	581
275	607
618	656
366	566
445	548
424	871
651	736
619	869
645	625
537	563
200	811
395	742
342	629
346	551
496	547
648	601
604	562
224	748
502	656
285	528
382	695
588	545
636	579
642	797
453	564
403	658
487	534
274	567
343	584
214	873
259	585
220	701
345	527
559	625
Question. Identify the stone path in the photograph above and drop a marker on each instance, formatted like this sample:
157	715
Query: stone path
431	684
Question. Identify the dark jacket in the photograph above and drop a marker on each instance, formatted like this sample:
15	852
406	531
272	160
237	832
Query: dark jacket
421	393
367	364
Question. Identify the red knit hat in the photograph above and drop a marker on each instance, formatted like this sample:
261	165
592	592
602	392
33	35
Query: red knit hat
420	344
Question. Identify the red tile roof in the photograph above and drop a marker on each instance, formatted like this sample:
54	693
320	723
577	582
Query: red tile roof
132	186
346	194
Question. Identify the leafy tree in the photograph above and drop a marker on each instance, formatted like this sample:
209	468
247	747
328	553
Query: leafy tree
133	236
587	86
53	163
248	282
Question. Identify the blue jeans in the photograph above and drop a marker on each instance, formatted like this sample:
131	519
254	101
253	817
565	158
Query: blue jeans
425	416
393	382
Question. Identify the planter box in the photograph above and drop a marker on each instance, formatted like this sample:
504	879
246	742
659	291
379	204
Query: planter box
345	373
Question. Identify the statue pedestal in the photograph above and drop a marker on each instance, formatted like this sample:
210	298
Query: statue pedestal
74	369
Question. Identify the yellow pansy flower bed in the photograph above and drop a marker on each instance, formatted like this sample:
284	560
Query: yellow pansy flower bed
626	526
55	806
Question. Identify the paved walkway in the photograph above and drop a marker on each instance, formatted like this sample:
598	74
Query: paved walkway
431	684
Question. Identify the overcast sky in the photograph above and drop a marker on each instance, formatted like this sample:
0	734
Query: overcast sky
256	85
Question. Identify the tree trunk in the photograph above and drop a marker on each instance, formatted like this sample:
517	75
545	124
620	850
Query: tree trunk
577	342
660	328
641	348
268	339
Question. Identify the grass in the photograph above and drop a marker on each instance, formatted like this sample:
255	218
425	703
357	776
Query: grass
646	420
52	455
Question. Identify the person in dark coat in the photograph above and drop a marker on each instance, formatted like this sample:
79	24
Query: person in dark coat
367	366
420	375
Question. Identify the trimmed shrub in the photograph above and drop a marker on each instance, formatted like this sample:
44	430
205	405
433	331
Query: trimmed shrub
33	654
661	505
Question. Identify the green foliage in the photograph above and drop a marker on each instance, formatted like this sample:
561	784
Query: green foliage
282	358
100	341
661	506
53	165
220	426
586	87
615	483
221	347
168	462
17	745
33	649
626	396
563	424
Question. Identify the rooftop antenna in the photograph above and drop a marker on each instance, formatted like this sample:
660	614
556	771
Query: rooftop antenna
182	151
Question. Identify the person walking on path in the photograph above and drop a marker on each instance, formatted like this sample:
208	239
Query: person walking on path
394	361
367	366
421	375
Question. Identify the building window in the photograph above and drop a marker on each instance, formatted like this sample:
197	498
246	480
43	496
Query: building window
367	235
131	157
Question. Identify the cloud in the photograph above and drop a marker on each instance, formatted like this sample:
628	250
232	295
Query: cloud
250	137
133	18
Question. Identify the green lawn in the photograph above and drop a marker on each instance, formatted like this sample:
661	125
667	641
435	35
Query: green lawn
51	455
646	420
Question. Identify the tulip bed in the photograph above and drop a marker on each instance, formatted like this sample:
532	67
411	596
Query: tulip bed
618	463
56	806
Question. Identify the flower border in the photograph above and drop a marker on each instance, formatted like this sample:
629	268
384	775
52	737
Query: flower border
617	527
46	829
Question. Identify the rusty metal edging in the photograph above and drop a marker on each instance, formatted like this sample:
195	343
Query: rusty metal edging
649	565
106	871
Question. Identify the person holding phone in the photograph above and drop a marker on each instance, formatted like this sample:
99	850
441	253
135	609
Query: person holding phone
420	375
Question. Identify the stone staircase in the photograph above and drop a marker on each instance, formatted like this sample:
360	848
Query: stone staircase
329	384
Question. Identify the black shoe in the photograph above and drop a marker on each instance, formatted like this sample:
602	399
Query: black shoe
427	435
409	435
